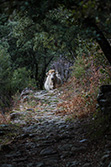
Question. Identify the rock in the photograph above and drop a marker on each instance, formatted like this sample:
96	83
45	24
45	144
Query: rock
83	140
25	98
45	138
30	128
105	88
78	149
26	91
15	115
104	99
65	147
7	165
109	164
105	157
3	126
66	154
47	151
30	109
38	164
5	148
30	165
2	133
87	165
72	164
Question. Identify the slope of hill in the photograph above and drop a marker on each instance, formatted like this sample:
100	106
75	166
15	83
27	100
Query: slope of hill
38	136
59	128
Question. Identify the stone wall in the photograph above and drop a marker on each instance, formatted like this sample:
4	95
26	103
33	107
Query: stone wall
104	99
62	65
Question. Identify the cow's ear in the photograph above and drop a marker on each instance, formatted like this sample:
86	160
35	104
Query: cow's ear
47	74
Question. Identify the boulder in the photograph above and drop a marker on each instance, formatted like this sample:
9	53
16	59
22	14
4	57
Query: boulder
104	99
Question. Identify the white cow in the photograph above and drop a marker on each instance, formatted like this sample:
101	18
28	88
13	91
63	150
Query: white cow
53	80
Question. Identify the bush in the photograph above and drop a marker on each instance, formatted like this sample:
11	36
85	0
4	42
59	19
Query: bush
78	68
88	74
5	78
21	79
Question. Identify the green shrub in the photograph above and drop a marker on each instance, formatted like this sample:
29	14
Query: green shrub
21	79
78	68
5	77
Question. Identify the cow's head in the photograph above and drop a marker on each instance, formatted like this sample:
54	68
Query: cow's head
51	74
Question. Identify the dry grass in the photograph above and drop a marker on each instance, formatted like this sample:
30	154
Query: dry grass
80	94
4	119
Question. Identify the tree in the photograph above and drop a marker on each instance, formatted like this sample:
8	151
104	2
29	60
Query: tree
32	52
5	78
92	17
47	28
39	43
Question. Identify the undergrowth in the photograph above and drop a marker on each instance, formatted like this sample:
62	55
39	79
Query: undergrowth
88	74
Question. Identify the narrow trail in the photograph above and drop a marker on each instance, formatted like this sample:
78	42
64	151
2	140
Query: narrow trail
46	139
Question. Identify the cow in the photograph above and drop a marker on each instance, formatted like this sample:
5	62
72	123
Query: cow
53	80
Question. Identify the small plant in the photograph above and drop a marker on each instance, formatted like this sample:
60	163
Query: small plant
78	68
21	79
88	74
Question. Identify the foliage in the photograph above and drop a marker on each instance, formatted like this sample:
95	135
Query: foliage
97	9
79	68
40	43
21	79
9	65
5	62
36	33
80	98
34	51
5	77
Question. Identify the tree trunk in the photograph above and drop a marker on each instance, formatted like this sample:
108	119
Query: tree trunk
104	44
100	38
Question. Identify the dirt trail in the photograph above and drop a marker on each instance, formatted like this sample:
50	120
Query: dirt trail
45	139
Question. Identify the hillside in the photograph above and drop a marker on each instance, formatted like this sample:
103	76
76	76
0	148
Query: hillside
59	128
69	126
38	136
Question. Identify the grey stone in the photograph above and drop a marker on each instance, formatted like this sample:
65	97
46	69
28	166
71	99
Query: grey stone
25	98
83	140
87	165
40	164
109	164
65	147
15	115
104	99
30	109
106	156
78	149
72	164
2	133
26	91
66	154
6	165
47	151
30	165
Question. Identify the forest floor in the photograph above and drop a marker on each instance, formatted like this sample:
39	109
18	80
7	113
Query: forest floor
38	135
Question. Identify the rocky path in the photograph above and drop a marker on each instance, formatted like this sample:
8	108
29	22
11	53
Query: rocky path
41	138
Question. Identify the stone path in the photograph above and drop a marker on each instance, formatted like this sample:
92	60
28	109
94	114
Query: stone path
47	139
